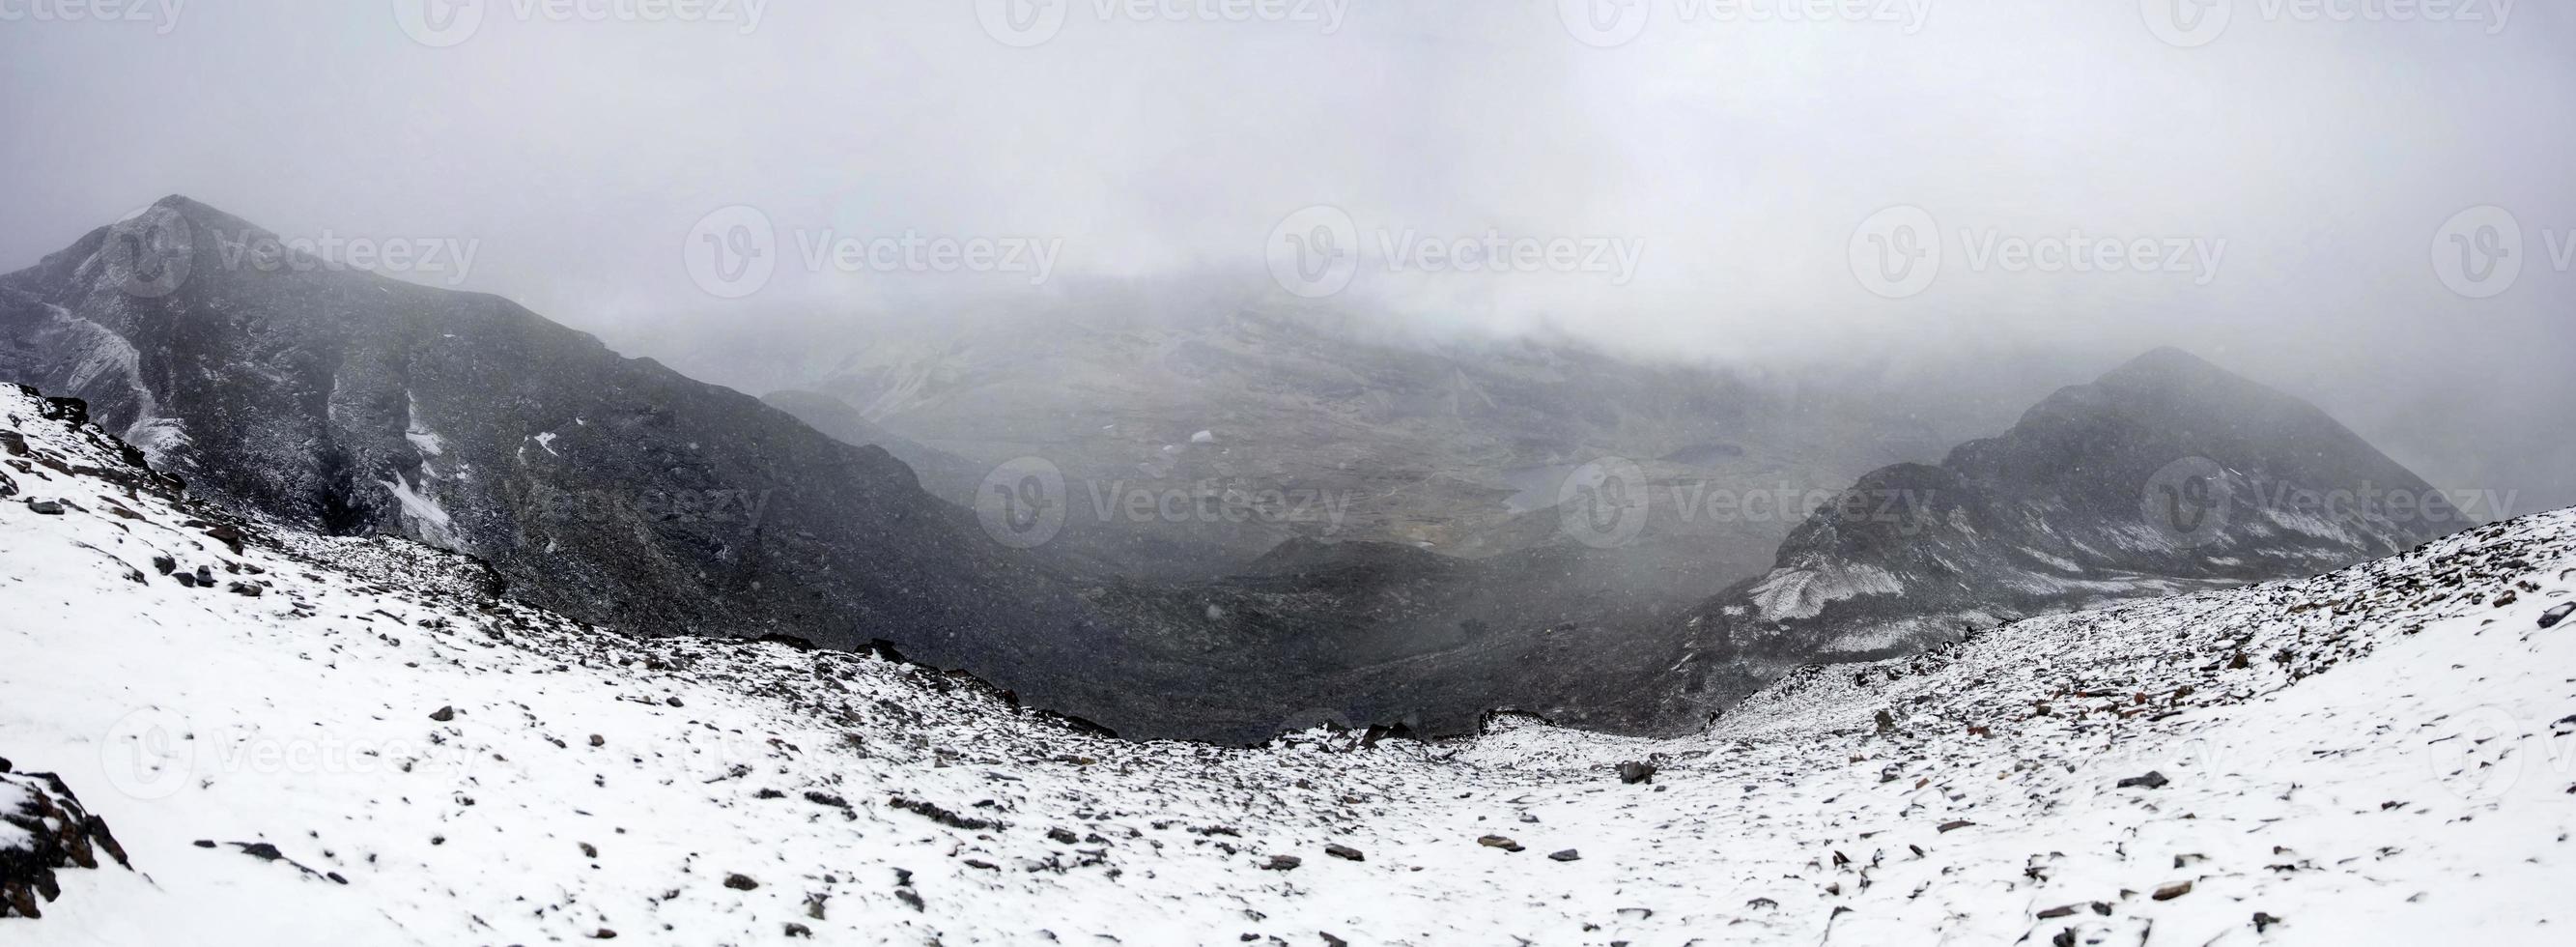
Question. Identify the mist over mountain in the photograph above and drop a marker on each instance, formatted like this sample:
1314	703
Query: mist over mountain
2167	475
610	489
1307	472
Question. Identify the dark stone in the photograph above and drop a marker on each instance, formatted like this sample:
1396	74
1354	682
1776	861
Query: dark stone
1283	863
227	534
62	834
443	714
2152	780
1634	773
1567	855
2551	618
935	813
740	882
1497	841
1345	853
45	507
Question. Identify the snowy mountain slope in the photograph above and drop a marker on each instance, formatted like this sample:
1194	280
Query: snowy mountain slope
2385	766
605	488
2165	476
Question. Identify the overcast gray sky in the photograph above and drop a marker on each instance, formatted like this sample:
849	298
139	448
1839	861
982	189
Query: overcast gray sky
1714	173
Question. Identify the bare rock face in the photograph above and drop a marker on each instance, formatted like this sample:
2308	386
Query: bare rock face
610	489
44	829
2166	476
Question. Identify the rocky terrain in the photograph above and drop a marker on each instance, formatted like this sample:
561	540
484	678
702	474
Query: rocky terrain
2167	475
1251	524
604	488
305	740
1448	446
616	492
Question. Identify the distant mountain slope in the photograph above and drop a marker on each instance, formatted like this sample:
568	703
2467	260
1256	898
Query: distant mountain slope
371	749
1447	445
610	489
2167	475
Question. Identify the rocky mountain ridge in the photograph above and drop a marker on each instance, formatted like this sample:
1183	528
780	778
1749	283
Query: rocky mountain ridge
370	738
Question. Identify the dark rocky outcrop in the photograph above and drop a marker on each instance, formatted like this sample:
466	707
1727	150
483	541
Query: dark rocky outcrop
2167	475
45	829
609	489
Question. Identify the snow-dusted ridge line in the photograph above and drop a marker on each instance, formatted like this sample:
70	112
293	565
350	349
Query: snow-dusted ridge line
2397	775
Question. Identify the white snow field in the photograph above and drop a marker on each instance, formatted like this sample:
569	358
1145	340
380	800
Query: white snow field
2380	756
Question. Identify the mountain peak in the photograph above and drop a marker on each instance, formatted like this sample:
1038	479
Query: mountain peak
2166	364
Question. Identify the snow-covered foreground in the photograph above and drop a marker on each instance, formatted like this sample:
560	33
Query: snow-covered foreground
2385	764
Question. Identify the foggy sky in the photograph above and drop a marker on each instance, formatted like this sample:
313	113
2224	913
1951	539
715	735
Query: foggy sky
1735	158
